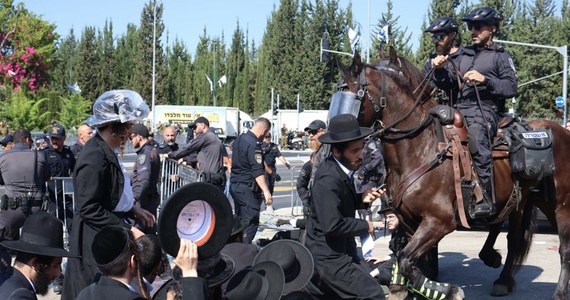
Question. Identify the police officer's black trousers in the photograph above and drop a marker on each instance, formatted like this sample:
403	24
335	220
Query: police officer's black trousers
480	141
247	205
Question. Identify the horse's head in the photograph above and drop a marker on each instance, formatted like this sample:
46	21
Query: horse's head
365	89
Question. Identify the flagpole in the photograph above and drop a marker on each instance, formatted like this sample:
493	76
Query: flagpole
369	34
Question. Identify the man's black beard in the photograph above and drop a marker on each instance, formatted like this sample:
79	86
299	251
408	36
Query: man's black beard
443	50
41	282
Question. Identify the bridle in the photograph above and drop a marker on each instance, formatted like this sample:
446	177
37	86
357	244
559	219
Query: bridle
385	132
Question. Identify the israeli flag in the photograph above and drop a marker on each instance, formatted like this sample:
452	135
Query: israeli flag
354	37
383	33
74	88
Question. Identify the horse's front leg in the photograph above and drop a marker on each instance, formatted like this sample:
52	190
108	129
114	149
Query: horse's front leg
430	231
563	220
488	254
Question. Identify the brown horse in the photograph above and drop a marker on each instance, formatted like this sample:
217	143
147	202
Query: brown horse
428	205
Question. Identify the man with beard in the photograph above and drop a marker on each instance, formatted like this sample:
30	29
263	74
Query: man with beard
38	258
314	131
489	77
331	227
447	46
169	141
146	174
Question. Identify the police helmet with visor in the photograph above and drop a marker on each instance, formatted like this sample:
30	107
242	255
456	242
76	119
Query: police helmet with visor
442	27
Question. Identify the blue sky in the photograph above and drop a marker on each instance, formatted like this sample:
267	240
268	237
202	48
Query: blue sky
186	19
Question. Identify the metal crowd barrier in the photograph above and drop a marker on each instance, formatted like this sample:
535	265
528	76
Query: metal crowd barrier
173	176
295	200
63	186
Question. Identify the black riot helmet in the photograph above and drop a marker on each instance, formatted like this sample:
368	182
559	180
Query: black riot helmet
485	15
443	24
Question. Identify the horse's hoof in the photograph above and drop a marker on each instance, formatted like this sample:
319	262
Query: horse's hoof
499	290
492	260
456	293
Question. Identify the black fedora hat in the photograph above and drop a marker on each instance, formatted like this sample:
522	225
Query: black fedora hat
216	269
295	260
264	280
199	212
344	128
42	234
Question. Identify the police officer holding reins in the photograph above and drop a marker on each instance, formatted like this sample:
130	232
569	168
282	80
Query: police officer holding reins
489	77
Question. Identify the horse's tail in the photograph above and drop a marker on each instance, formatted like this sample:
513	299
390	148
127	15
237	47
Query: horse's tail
525	236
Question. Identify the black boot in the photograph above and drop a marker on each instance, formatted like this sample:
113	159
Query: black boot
485	207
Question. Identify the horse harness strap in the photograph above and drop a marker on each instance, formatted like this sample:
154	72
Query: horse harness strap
456	149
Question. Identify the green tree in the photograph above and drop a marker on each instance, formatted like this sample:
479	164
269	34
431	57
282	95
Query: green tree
179	83
25	112
143	65
88	64
398	37
126	56
75	110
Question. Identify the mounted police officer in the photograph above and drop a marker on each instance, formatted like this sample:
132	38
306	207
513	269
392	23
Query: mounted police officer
248	177
145	173
444	34
489	75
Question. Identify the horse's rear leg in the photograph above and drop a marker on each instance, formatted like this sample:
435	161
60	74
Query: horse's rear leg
563	220
519	238
488	254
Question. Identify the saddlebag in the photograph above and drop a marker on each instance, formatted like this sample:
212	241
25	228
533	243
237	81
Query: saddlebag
531	153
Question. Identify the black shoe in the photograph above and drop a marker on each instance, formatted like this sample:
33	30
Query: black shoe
485	207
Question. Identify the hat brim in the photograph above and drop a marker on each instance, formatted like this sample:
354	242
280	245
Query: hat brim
36	249
224	275
303	255
327	139
268	269
200	212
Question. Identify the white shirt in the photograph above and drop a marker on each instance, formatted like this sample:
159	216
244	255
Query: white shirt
127	198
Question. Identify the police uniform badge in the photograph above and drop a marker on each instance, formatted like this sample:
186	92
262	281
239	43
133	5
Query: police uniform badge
141	158
258	157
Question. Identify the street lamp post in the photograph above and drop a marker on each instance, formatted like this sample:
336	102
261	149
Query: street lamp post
154	63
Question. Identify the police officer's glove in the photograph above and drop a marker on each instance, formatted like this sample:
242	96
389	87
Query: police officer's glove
282	222
288	166
276	176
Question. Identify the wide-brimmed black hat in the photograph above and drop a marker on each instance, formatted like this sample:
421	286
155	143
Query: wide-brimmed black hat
216	269
42	234
295	260
264	280
344	128
199	212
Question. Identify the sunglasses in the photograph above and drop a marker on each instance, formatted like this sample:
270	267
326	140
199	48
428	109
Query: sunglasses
477	26
438	37
312	132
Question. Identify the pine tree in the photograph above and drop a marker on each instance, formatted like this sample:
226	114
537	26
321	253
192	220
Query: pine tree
87	64
399	37
126	55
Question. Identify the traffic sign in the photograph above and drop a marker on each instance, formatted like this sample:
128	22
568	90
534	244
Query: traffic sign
560	102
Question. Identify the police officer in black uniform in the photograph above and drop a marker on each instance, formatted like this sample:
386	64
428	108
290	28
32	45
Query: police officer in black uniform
169	141
247	180
145	174
489	75
270	155
61	162
444	33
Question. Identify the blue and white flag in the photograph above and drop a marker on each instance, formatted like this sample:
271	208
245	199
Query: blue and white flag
74	88
354	37
383	33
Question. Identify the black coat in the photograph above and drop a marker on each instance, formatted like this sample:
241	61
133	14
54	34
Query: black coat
17	287
108	288
98	183
331	228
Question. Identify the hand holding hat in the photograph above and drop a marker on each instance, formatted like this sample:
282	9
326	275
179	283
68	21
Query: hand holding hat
187	258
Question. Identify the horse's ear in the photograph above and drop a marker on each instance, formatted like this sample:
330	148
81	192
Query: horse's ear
381	52
393	56
356	63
